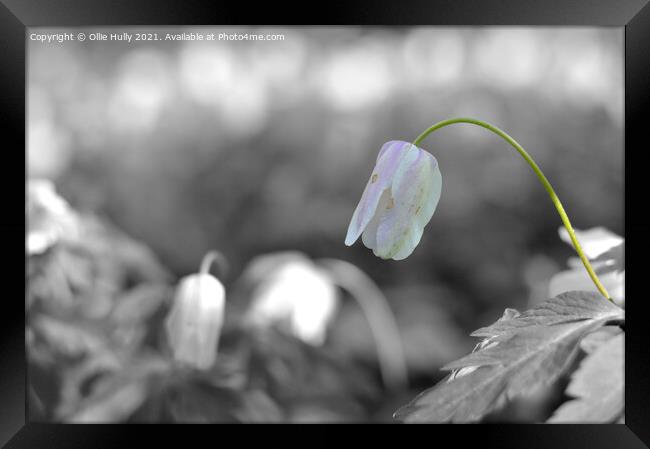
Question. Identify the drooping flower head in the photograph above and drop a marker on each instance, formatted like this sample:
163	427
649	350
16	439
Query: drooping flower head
194	324
399	200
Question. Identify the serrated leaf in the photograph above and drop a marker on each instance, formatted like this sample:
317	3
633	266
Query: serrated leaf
566	307
597	386
578	279
521	352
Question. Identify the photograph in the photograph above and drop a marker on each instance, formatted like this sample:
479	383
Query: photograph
325	224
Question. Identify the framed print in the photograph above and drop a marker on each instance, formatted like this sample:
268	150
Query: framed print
400	214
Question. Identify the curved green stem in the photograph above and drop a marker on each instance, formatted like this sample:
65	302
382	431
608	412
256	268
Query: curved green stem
540	175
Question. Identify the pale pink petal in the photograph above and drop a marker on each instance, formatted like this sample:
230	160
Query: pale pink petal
381	178
415	191
369	236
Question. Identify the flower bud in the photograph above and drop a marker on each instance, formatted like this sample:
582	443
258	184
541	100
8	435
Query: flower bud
194	324
398	201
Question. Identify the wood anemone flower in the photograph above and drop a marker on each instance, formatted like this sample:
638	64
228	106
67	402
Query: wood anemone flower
279	297
398	201
194	324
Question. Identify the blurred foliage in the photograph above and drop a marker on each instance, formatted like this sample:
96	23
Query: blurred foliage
96	305
259	147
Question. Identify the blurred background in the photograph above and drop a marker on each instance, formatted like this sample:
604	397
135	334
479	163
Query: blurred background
258	147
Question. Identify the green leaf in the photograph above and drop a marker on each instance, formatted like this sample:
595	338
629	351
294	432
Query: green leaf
520	352
597	387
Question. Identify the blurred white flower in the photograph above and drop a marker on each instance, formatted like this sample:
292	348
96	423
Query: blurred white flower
356	77
398	201
214	75
48	140
143	88
594	241
295	292
602	247
49	217
194	324
434	56
510	57
207	71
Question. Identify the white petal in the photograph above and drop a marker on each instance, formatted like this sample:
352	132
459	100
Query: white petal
369	236
298	293
423	217
194	323
416	192
388	162
594	241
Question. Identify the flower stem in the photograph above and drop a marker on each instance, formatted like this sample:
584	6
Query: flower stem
540	175
375	307
209	258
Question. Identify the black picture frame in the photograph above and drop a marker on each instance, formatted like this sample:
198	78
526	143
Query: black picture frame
17	15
